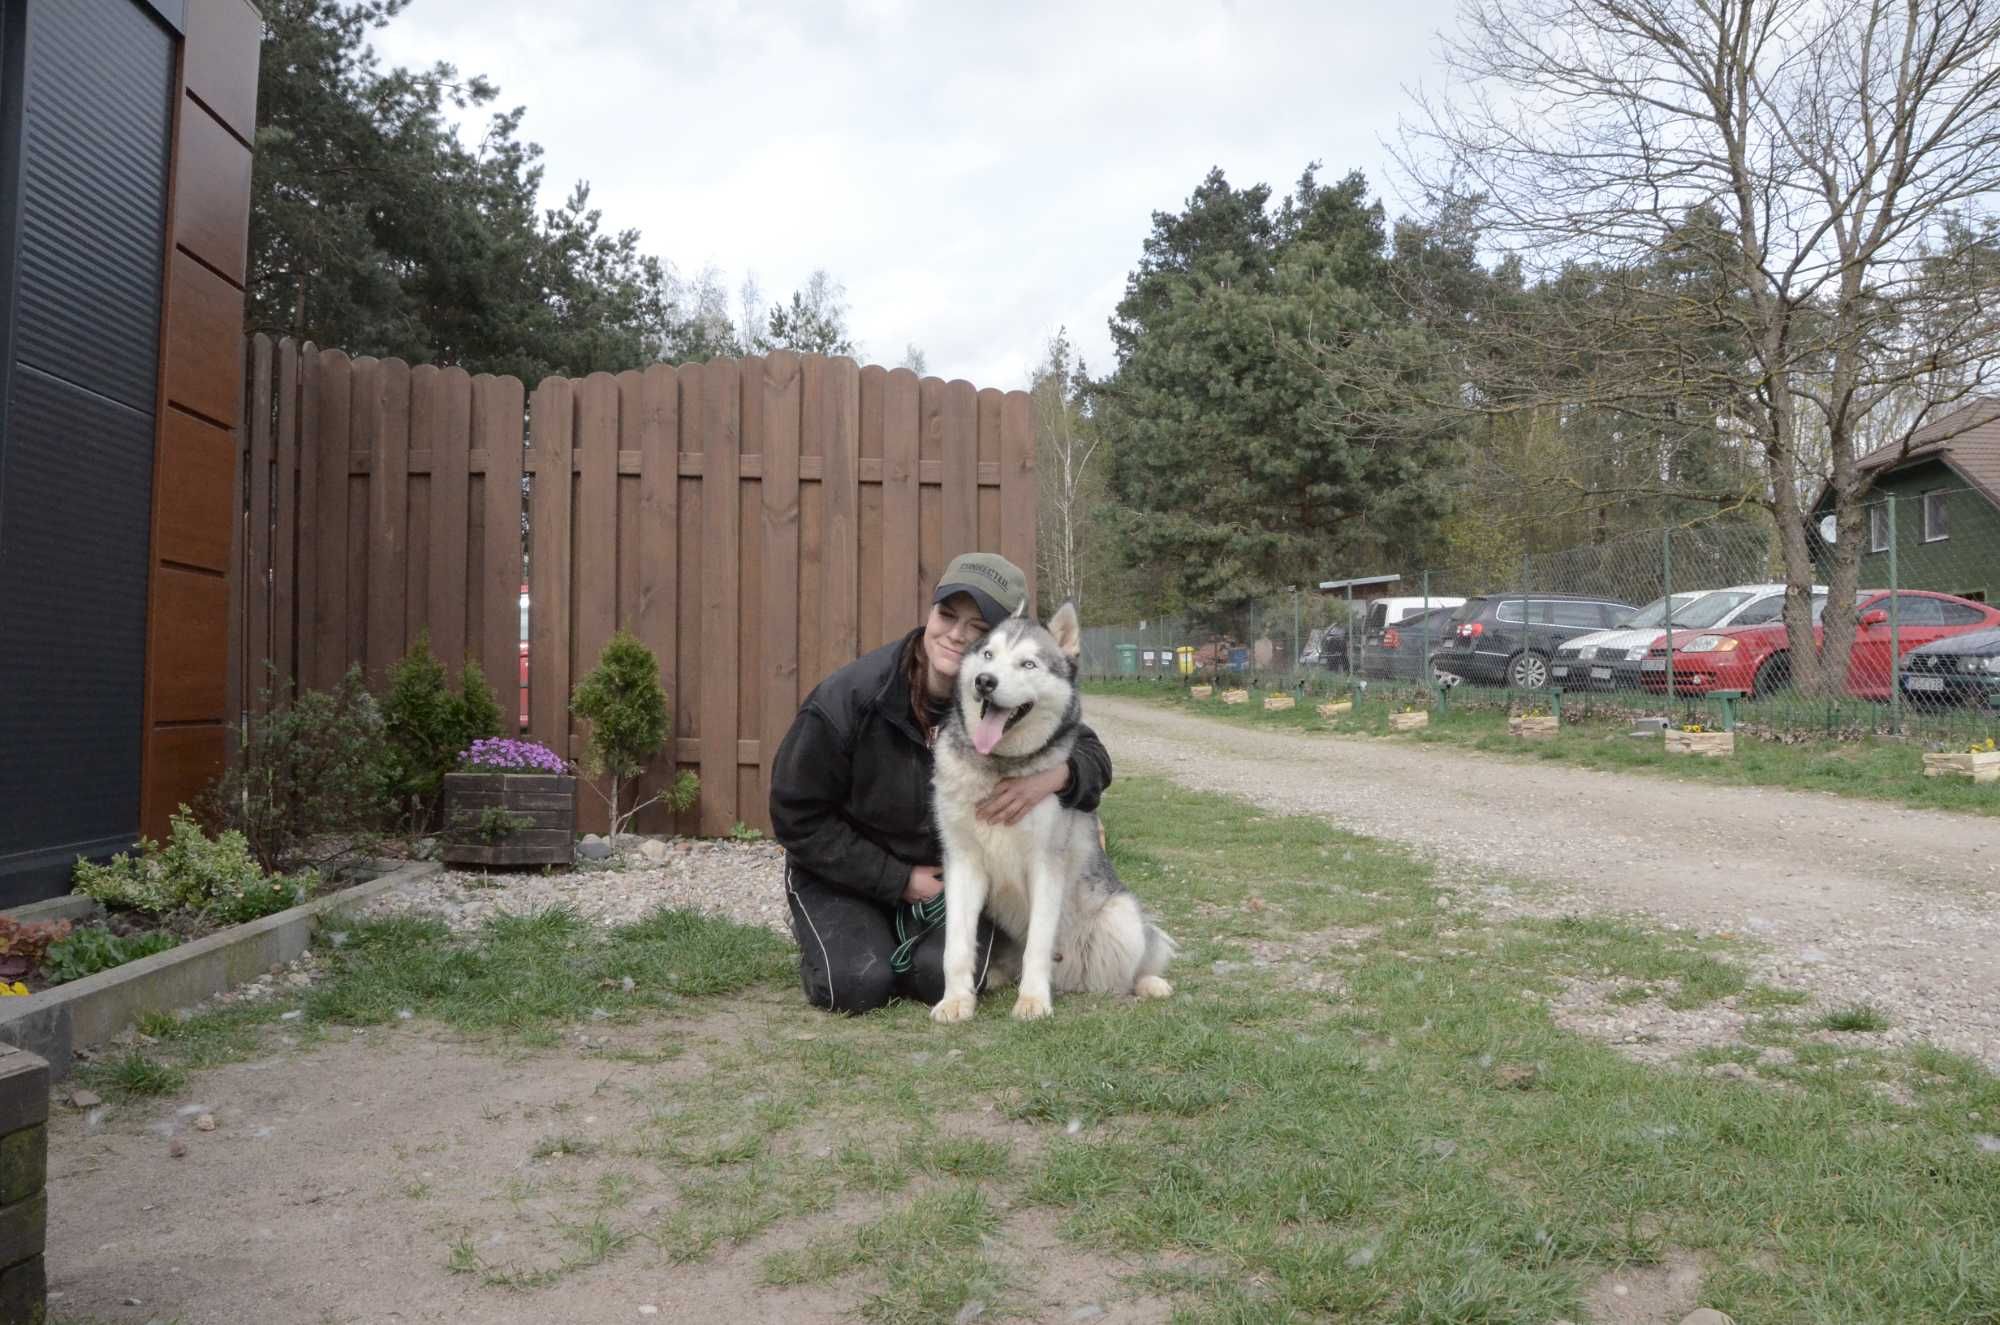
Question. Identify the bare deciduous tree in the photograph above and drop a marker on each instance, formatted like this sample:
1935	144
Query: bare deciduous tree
1814	179
1066	441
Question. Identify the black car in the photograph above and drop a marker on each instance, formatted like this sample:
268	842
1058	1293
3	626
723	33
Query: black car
1397	652
1958	671
1507	639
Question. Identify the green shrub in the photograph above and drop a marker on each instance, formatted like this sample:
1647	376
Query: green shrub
192	872
626	707
306	783
425	726
94	948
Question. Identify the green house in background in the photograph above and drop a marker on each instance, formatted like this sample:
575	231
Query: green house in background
1946	492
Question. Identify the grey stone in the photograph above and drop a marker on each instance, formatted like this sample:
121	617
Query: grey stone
593	848
653	851
1088	1311
1707	1316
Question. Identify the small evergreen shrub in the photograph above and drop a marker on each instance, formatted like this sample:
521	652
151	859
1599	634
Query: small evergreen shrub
425	726
217	877
626	707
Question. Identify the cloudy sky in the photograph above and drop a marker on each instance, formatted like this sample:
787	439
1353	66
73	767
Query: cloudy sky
975	175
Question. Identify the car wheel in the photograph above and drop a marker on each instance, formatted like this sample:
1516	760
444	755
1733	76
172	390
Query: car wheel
1773	676
1528	671
1441	677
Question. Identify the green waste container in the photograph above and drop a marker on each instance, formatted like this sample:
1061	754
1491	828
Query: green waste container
1128	660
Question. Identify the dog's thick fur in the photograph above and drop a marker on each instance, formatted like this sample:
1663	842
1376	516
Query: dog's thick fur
1045	881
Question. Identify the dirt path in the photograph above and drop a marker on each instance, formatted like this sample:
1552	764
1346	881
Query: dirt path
1858	901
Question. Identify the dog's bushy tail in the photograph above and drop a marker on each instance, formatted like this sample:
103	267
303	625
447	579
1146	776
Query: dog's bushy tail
1160	949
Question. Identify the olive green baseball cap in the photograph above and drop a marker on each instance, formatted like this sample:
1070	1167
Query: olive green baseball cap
994	582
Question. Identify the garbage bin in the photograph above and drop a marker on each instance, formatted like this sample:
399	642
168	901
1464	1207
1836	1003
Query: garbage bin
1128	660
1184	656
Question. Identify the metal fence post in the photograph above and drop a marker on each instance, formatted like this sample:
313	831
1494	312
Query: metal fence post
1424	674
1527	609
1895	652
1667	583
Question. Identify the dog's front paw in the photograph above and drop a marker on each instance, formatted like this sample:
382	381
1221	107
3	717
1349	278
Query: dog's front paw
1031	1007
1152	986
953	1008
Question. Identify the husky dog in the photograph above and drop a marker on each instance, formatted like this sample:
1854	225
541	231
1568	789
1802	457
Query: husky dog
1045	880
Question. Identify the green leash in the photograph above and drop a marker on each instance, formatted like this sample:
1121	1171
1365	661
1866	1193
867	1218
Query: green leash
909	916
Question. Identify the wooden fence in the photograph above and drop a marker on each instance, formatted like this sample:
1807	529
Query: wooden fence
756	522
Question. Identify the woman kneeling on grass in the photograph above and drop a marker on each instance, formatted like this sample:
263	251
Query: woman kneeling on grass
851	802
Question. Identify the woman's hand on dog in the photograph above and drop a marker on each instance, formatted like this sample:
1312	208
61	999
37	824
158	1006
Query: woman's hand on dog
926	882
1014	797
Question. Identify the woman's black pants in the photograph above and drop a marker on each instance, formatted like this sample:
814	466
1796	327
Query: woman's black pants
846	946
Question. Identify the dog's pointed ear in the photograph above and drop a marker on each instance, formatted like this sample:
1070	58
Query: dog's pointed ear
1020	610
1069	635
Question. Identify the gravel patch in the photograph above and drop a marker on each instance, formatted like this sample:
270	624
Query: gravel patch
743	881
1849	901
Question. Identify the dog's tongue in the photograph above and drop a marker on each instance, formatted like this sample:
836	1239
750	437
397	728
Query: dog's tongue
992	726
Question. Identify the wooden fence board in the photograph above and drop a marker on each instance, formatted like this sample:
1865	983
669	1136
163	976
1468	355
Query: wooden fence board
655	619
594	540
497	404
840	551
285	521
782	387
901	591
329	555
451	482
260	680
388	517
1017	491
426	422
551	426
959	427
721	402
306	598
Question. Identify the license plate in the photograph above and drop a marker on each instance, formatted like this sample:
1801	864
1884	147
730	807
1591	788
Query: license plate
1924	682
1653	665
1559	671
1600	673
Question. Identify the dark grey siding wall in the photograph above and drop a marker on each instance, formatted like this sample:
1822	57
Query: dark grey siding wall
82	239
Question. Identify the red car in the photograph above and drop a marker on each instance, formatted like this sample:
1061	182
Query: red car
1757	659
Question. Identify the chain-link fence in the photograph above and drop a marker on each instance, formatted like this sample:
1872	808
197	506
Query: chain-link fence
1686	623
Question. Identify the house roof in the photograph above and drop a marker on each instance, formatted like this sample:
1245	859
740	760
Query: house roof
1967	439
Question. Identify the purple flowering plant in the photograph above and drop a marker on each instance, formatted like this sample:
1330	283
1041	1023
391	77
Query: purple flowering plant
499	754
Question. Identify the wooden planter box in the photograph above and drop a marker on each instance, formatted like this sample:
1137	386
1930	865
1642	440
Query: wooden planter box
1339	708
1200	692
1273	703
1408	722
1542	727
1712	745
1981	767
543	805
1236	696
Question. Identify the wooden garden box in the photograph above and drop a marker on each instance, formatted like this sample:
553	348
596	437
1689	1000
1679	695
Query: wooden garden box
1236	696
1983	766
1339	708
542	806
1712	745
1273	703
1534	727
1408	722
1200	692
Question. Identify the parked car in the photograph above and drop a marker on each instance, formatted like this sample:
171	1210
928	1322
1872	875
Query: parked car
1614	659
1508	639
1397	652
1959	671
1328	648
1402	616
1757	659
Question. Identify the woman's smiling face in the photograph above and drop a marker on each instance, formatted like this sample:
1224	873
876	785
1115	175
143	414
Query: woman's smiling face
953	627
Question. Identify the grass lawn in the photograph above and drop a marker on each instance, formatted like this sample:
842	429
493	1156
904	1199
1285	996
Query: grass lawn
1594	736
1355	1107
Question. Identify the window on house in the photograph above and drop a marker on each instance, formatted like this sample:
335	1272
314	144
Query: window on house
1934	525
1878	527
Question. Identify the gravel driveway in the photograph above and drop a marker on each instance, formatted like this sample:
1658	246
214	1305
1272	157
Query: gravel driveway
1856	901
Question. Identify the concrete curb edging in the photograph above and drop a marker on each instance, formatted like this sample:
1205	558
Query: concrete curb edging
88	1011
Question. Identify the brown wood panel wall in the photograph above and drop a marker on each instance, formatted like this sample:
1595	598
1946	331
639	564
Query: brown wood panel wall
754	522
199	663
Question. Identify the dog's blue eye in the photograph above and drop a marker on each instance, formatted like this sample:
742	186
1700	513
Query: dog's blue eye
1027	666
988	655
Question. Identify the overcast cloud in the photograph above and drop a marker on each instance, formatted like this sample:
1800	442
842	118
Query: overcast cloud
975	175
